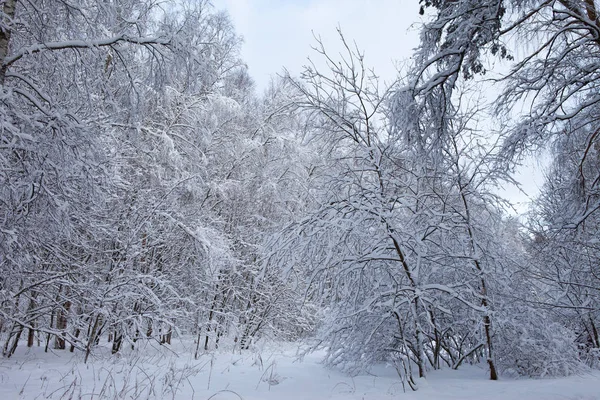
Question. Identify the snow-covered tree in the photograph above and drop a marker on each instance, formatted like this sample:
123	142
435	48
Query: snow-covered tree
401	249
140	176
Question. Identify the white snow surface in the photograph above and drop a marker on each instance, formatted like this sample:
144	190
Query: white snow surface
170	372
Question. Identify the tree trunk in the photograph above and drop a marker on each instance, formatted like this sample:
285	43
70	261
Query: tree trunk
48	334
418	335
61	325
31	331
166	338
199	338
419	350
210	317
77	333
116	346
438	342
8	9
31	335
487	322
92	333
594	334
488	337
13	340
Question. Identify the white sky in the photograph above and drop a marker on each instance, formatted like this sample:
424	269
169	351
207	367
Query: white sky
279	33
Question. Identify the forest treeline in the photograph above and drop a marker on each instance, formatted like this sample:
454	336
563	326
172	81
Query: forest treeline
147	190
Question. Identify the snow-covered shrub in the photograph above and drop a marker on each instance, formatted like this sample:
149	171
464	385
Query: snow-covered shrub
531	344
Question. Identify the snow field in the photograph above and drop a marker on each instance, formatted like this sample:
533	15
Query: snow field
273	373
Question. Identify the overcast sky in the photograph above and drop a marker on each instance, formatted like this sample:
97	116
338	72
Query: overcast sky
279	33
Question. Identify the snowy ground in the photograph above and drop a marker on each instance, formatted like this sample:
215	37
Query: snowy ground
158	373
